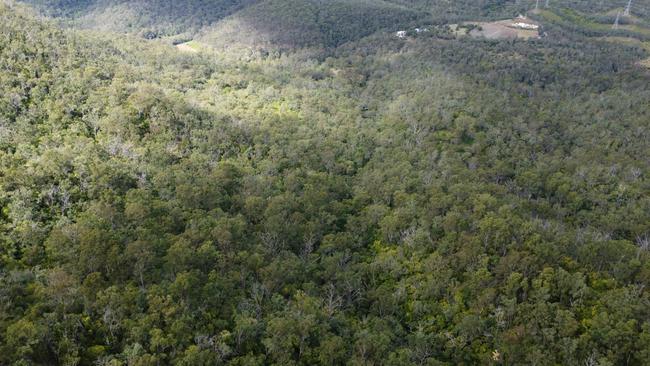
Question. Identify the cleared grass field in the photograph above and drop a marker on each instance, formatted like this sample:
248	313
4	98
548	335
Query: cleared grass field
505	29
502	29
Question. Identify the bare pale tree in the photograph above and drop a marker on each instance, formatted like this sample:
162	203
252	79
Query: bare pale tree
628	9
332	301
643	242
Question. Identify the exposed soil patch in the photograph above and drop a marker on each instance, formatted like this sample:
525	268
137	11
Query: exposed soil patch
190	47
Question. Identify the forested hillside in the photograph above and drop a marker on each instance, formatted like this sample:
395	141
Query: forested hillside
294	23
147	18
431	200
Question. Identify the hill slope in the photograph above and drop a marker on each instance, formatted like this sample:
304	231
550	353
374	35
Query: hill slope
296	23
149	18
423	201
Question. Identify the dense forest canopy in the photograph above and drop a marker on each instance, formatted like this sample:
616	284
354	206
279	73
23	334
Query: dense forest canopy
319	191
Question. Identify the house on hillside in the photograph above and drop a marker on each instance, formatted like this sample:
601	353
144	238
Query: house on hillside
522	22
523	25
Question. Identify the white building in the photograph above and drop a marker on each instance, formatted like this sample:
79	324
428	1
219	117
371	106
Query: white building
525	26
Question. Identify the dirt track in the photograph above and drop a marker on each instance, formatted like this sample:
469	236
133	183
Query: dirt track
184	47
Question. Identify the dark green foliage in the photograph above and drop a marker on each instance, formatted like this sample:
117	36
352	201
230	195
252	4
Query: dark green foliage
428	201
294	23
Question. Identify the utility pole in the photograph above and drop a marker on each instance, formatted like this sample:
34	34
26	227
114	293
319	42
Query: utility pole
628	9
537	5
618	17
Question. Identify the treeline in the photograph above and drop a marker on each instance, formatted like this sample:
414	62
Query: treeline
429	201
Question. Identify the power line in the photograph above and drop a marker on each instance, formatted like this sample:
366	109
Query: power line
628	8
618	18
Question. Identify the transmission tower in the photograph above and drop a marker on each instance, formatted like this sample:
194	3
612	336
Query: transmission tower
628	9
618	18
537	5
546	4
